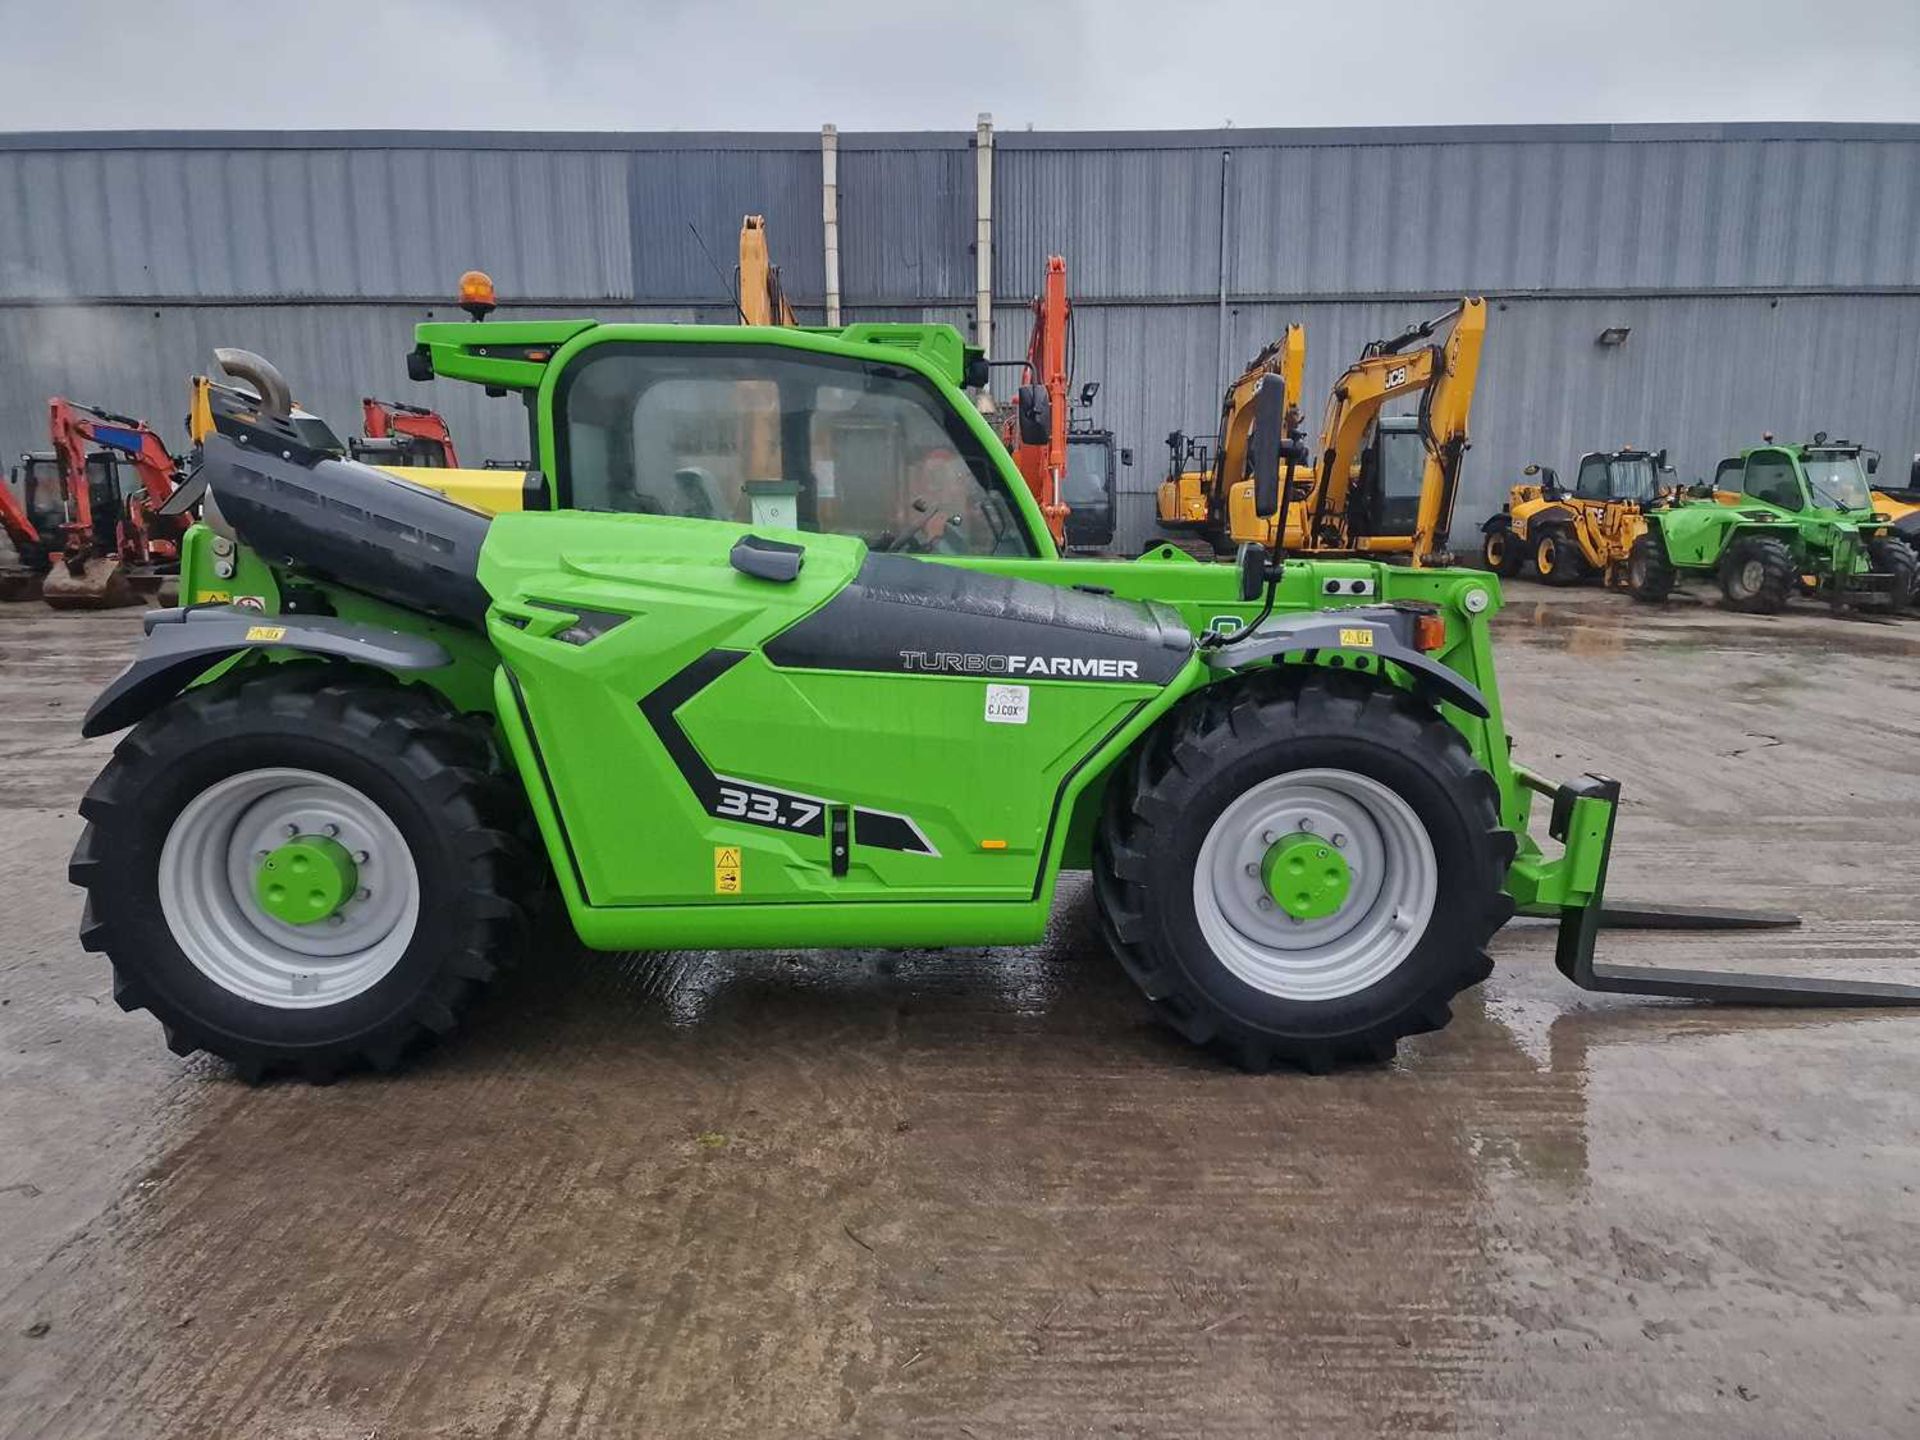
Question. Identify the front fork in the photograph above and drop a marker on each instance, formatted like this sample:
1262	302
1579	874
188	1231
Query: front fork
1572	890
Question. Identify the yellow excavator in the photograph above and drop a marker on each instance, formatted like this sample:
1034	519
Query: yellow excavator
1193	498
1379	485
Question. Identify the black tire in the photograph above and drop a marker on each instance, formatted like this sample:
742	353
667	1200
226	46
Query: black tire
1650	575
1757	575
1502	553
434	775
1890	555
1167	797
1557	559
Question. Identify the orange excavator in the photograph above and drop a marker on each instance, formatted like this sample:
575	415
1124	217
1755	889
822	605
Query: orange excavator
411	436
1036	433
1066	460
109	529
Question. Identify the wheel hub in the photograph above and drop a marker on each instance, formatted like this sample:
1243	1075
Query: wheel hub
306	880
1290	920
289	888
1306	876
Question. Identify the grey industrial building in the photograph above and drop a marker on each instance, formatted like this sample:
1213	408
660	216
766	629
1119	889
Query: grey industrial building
1768	276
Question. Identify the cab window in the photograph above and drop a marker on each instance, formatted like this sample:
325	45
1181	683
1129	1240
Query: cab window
1592	482
783	439
1770	477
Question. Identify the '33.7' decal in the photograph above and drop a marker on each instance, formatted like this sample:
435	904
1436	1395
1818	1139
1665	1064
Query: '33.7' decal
767	807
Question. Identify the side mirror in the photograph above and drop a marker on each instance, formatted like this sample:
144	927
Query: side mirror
1913	473
1660	460
1873	461
1126	457
1036	415
1250	563
1272	446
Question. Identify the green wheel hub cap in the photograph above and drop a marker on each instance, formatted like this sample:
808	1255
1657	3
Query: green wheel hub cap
306	880
1306	876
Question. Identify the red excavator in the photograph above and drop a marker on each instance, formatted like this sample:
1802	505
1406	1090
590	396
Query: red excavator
111	539
410	436
1065	459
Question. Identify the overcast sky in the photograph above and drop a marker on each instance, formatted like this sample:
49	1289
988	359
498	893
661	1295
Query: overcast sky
761	65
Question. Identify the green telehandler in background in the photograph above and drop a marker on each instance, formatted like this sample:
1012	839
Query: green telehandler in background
1781	520
780	653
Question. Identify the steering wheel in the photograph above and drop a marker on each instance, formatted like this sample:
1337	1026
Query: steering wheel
911	539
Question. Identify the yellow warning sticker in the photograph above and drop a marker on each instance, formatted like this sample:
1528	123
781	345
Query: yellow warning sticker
726	869
210	597
266	632
1362	638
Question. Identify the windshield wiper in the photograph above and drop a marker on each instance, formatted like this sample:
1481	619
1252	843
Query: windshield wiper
1838	502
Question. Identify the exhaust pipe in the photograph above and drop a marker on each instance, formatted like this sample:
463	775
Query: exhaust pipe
276	396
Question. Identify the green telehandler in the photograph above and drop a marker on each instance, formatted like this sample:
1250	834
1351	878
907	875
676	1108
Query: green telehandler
780	653
1780	519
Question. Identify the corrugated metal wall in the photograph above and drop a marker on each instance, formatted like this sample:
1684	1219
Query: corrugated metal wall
1770	274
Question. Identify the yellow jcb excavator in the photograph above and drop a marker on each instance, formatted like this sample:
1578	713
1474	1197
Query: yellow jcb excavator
1385	485
1378	485
1200	471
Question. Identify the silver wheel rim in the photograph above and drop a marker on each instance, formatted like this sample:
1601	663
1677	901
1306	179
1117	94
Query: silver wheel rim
206	883
1752	576
1395	880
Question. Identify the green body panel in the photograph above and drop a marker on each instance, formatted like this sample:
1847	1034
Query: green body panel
643	860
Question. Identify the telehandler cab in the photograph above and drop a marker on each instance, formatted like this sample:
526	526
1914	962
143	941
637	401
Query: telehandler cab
1781	519
384	722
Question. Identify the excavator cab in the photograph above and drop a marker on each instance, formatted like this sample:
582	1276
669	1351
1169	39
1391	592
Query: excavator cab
1393	467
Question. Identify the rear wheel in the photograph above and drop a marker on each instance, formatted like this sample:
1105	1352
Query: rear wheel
1304	868
1557	559
1502	553
1649	573
302	867
1890	555
1757	575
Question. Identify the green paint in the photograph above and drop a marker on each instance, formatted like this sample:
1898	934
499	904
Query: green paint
1306	876
306	879
630	844
1818	505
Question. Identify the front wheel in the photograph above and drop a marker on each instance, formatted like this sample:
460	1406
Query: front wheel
1891	555
302	867
1557	559
1649	573
1303	868
1757	575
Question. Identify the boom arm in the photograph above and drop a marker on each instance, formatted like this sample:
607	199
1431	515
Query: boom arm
1444	374
386	419
1285	357
762	300
1043	464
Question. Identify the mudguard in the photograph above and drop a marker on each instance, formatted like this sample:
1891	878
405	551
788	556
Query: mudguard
1496	523
1382	632
1552	515
181	645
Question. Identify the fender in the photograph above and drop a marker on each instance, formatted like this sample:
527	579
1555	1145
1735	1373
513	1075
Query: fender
182	645
1497	523
1552	515
1390	638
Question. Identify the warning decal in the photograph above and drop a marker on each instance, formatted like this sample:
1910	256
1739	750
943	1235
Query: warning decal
726	869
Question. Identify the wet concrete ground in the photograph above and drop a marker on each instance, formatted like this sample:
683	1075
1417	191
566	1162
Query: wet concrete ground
978	1194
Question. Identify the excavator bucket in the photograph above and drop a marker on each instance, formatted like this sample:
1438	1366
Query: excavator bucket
99	582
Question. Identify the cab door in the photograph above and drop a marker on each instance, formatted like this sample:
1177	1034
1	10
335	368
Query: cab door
750	676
